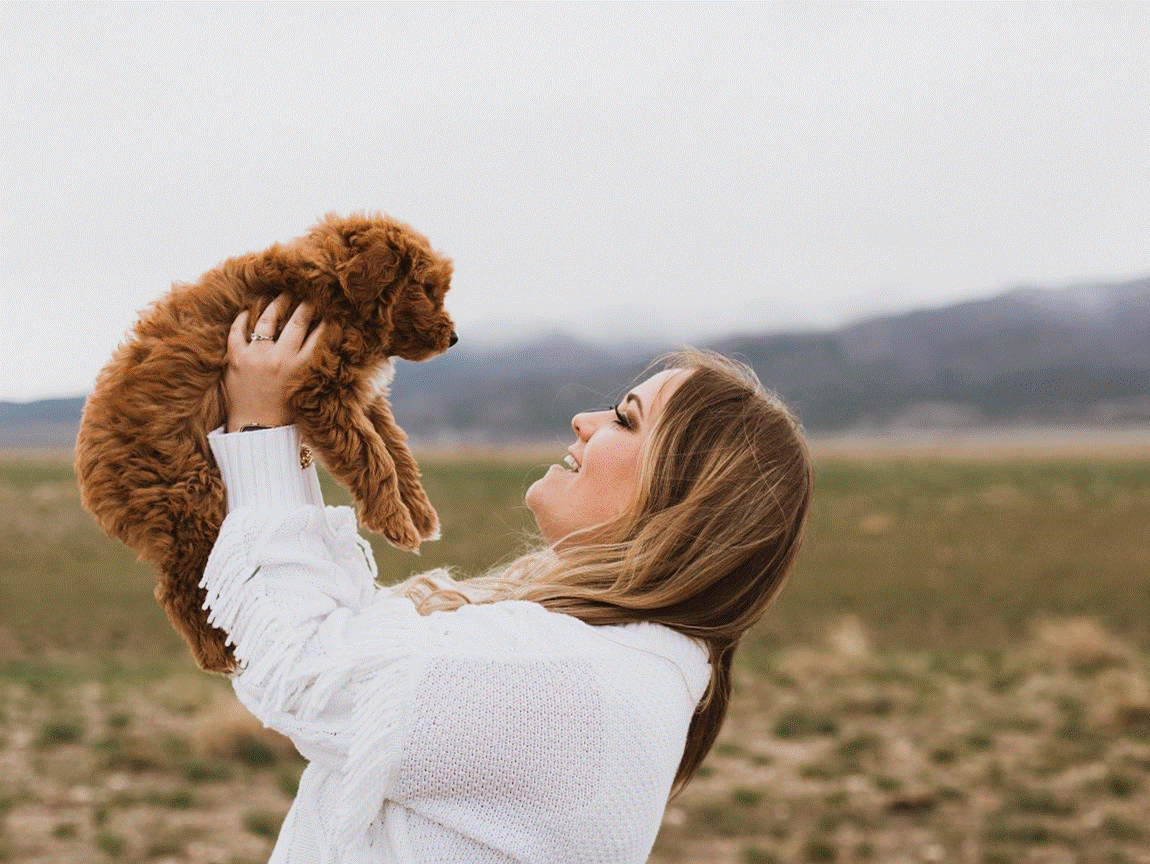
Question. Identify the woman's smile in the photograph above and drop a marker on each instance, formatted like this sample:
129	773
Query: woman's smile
599	475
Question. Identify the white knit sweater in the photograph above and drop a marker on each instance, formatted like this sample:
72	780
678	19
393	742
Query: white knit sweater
495	733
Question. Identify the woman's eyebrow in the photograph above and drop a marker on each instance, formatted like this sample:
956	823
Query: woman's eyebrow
638	402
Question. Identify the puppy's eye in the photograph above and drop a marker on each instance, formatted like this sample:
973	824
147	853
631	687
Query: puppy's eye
430	292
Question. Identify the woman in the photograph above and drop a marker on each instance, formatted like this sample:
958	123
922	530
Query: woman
542	713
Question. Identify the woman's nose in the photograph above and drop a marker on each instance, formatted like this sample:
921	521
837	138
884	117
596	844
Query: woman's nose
583	424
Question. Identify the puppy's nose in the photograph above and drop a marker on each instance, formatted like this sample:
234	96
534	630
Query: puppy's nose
452	340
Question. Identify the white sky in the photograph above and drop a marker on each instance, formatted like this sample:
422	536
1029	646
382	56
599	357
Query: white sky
611	170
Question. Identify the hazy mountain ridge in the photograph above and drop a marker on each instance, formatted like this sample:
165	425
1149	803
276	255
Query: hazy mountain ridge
1079	354
1070	355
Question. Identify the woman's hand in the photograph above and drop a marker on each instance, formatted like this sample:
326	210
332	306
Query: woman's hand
260	368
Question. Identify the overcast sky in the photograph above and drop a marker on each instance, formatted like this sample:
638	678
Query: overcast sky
610	170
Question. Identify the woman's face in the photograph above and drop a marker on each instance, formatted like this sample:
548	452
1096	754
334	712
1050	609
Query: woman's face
602	472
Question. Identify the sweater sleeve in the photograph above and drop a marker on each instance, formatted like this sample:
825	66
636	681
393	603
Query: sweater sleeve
324	657
263	468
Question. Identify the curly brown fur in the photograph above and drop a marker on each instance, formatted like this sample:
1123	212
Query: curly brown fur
143	462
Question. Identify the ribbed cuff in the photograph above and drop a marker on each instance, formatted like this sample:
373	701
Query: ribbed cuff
262	468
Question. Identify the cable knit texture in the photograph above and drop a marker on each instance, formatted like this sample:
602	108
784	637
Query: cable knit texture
496	733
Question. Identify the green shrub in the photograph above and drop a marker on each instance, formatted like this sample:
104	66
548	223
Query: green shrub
1038	801
56	732
1121	829
757	855
253	752
207	771
1121	785
723	820
818	850
287	781
263	823
800	723
746	797
110	844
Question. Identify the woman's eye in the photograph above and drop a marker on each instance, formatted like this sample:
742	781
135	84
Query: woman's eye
620	418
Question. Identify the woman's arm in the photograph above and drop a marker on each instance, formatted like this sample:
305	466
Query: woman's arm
285	578
290	581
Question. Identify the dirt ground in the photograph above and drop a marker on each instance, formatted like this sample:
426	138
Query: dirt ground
831	752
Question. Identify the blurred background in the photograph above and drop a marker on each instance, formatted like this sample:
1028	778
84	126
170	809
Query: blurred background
924	225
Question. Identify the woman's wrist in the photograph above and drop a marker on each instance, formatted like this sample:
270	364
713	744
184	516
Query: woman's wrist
271	468
255	420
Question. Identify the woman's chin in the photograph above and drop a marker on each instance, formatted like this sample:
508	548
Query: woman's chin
536	488
547	493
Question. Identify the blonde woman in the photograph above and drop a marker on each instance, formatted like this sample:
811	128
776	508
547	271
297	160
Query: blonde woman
541	713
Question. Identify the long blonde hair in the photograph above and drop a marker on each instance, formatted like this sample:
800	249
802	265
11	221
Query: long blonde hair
725	483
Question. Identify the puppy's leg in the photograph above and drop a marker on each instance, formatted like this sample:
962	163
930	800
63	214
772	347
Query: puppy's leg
197	503
407	471
182	600
356	456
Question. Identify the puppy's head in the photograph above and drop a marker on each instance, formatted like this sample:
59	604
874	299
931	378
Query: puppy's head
394	281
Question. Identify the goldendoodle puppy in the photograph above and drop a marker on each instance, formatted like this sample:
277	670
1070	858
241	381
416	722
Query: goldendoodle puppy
142	458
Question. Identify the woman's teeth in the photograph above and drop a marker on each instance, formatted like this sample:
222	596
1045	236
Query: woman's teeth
570	463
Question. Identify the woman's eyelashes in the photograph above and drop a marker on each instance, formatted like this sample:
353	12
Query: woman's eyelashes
621	418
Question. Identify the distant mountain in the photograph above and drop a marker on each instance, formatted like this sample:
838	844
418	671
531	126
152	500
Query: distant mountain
1078	354
45	423
1071	355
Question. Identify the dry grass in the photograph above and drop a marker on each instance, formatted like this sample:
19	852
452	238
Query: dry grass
841	754
959	672
832	752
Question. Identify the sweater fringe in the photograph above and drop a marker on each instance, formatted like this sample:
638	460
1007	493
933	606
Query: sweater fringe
381	645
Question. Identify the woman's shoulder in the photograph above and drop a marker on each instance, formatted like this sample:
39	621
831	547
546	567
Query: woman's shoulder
510	626
512	629
688	655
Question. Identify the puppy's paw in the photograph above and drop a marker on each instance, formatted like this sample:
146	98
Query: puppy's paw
425	519
395	525
212	655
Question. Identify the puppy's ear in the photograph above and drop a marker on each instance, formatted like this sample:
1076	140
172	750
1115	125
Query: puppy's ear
380	254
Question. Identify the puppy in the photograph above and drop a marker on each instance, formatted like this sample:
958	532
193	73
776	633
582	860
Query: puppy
143	462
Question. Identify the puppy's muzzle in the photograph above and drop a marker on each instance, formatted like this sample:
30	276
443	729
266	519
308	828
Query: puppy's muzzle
454	338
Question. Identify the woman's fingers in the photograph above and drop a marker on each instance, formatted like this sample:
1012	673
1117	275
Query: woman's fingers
312	340
237	336
268	325
296	328
293	345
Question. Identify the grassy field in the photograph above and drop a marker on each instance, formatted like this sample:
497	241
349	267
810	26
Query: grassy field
959	671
